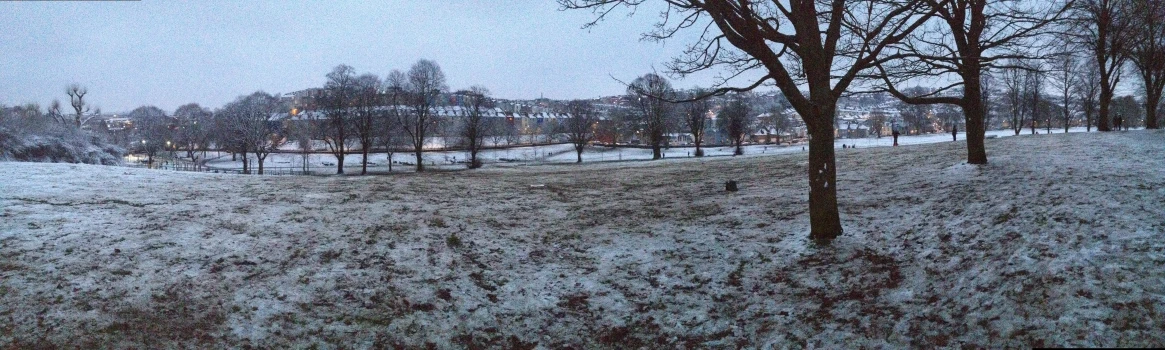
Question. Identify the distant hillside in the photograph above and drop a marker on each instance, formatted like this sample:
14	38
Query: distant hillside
56	144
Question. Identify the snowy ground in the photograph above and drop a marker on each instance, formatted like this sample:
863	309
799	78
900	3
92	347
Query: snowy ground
322	163
1059	241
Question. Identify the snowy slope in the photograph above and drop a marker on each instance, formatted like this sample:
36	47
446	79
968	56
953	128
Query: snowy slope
1059	241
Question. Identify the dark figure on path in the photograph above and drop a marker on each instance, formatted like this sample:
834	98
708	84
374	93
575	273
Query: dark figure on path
895	133
954	132
1116	122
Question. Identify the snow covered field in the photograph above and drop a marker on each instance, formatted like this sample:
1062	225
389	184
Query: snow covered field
1059	241
322	163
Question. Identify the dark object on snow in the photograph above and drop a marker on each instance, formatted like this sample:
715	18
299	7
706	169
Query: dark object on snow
954	133
895	133
730	186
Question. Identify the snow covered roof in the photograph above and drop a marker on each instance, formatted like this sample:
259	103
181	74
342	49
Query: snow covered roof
440	111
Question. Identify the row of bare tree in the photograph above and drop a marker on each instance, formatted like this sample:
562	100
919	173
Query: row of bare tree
656	113
350	114
361	112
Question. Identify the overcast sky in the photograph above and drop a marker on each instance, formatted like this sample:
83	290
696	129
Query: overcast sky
168	53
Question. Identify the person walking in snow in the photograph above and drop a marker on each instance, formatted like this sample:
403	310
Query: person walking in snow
895	134
954	132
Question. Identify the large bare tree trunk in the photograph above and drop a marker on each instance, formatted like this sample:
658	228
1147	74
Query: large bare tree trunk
364	167
1105	100
1151	101
420	162
824	220
974	113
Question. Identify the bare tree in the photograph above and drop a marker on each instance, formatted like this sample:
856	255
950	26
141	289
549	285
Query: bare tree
1103	28
988	87
1034	91
551	127
967	38
252	118
300	131
1063	78
247	123
336	100
580	125
1129	109
426	82
55	113
821	46
779	121
695	115
524	129
1014	82
367	99
474	127
915	116
653	94
152	128
193	127
1086	88
877	120
77	94
224	135
1147	53
392	135
497	128
513	130
735	120
948	115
